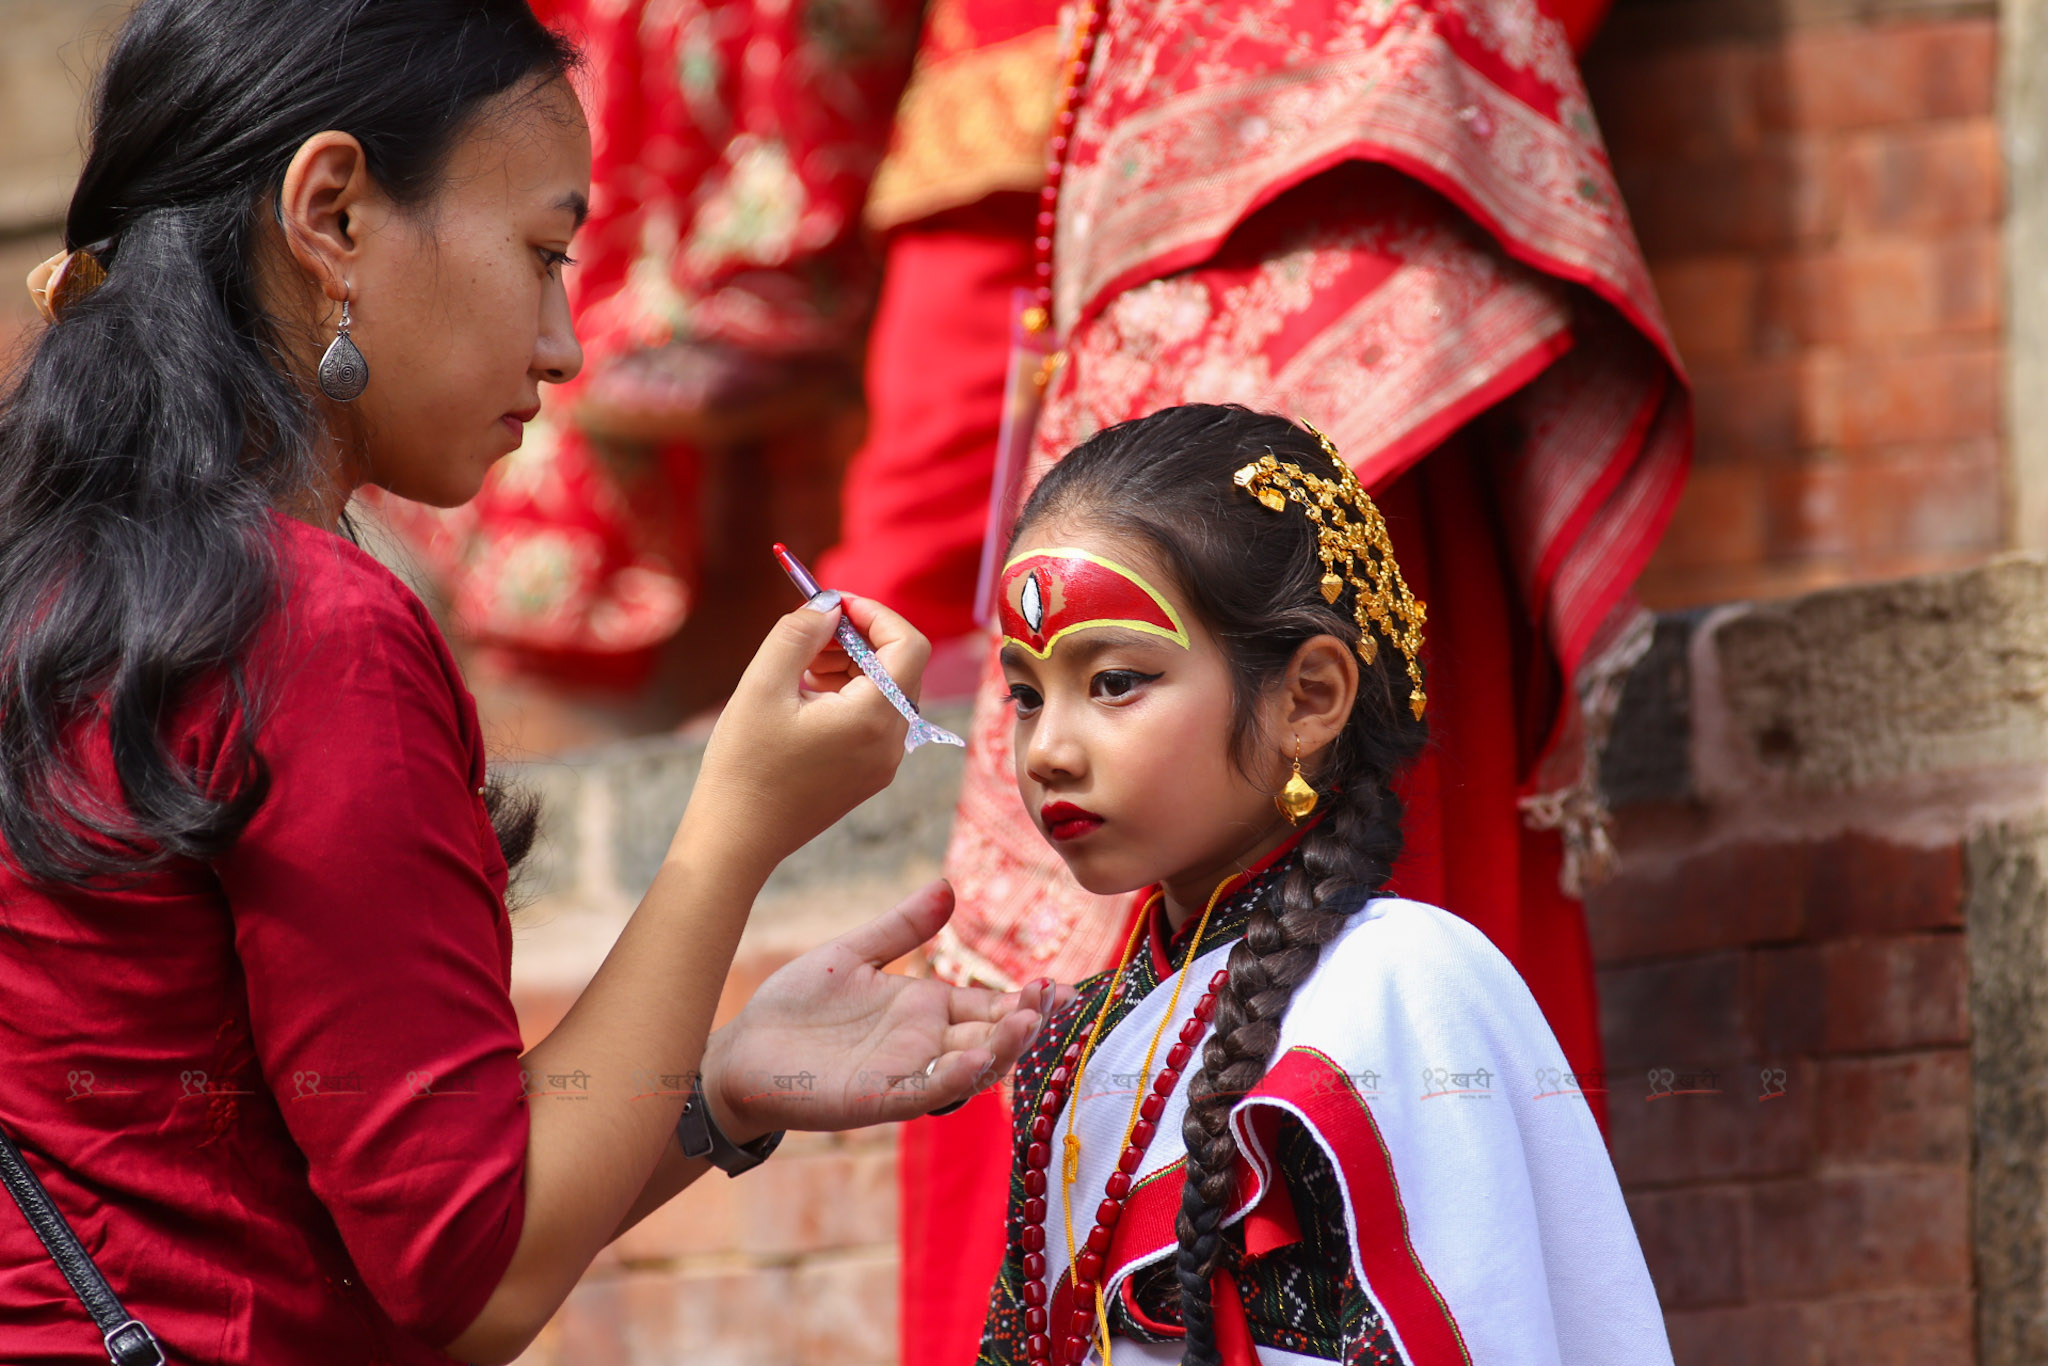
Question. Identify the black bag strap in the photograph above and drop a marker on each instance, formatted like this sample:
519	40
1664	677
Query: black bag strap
128	1342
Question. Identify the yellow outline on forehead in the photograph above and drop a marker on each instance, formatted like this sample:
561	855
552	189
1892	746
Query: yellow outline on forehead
1178	635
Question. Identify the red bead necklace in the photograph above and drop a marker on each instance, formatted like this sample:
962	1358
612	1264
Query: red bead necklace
1087	29
1086	1264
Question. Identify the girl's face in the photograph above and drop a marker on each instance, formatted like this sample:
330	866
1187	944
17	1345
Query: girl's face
457	304
1124	748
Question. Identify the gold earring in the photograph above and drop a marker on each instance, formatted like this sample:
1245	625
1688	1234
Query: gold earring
1297	801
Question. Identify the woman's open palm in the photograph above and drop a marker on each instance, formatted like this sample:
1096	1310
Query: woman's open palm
834	1042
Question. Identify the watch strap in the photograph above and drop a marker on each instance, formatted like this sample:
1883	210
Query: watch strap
701	1137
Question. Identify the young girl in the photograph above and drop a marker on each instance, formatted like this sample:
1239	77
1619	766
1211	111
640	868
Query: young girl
1301	1121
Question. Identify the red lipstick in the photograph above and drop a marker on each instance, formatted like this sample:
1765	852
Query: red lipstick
1064	821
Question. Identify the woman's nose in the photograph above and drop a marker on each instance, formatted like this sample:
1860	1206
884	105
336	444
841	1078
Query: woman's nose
557	355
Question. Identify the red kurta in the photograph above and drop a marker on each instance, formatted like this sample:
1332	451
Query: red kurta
279	1097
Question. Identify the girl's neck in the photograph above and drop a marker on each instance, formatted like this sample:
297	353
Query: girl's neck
1187	894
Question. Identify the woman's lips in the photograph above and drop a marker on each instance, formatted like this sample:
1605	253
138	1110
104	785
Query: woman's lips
516	422
1064	821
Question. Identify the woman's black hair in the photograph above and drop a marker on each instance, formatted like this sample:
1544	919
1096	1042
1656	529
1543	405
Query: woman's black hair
1252	576
150	431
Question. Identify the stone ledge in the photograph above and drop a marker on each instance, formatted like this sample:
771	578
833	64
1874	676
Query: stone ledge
1903	683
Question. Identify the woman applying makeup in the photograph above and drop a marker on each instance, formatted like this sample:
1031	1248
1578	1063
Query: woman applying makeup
255	1008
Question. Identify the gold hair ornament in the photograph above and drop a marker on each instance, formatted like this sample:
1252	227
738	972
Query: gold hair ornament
1351	538
66	278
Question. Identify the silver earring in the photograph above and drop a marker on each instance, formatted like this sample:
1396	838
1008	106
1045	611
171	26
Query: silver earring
344	374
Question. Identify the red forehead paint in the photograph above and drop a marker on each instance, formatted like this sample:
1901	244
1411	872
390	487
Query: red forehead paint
1048	593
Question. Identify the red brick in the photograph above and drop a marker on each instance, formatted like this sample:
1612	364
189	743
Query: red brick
1785	192
1748	410
819	1201
1784	1005
1861	884
1882	290
1871	75
737	1316
1902	1108
1907	991
1693	1242
1882	1230
702	1221
1923	179
1711	302
1970	281
1919	501
1719	520
1752	1335
1900	1327
849	1311
1925	395
1670	587
1677	1013
725	1316
1679	1139
1873	509
1805	507
1724	898
1681	104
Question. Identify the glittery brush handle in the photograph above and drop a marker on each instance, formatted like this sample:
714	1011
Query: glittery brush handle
922	732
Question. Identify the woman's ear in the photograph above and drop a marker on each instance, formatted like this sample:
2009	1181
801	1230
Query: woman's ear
1318	692
327	206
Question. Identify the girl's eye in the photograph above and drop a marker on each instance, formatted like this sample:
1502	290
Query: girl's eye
555	260
1118	683
1024	699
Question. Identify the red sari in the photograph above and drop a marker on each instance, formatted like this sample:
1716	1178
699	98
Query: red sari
1396	220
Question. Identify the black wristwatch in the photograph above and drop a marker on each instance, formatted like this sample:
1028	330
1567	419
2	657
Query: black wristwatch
700	1136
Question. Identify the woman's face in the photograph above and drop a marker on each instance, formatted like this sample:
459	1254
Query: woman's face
1123	741
457	304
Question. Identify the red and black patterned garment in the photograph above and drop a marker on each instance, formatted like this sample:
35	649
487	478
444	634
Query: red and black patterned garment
1301	1297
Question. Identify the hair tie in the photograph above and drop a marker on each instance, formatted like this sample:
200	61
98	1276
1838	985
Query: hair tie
67	277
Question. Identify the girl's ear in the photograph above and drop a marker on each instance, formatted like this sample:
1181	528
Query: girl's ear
1317	694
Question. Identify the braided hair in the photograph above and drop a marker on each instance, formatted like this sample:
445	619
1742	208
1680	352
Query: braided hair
1252	576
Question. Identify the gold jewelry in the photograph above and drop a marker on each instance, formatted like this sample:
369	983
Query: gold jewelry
66	278
1349	528
1070	1166
1297	801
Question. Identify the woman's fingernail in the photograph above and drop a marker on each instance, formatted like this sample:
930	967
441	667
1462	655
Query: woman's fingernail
824	600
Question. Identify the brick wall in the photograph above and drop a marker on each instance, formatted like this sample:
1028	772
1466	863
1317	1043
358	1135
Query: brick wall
1806	1197
1819	189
